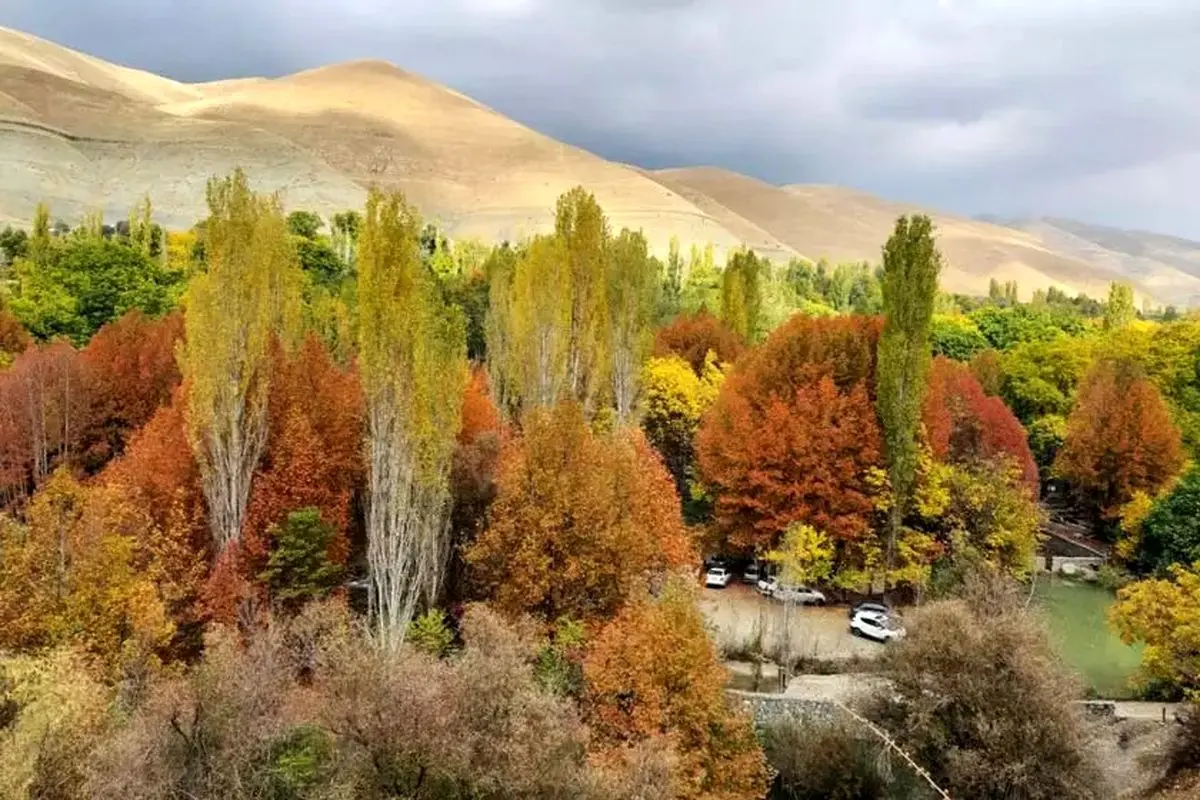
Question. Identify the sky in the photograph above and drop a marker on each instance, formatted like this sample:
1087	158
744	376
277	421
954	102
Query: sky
1087	109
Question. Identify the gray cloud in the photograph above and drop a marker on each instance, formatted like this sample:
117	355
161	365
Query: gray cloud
1084	108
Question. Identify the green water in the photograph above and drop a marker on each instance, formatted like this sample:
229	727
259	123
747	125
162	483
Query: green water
1077	614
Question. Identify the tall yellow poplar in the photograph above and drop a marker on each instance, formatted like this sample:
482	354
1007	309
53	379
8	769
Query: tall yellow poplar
412	355
249	292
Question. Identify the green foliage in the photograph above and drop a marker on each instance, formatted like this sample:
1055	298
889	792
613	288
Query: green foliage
1120	311
702	286
742	294
956	337
805	556
14	244
1007	326
1046	437
318	260
559	665
911	263
299	569
75	286
1039	378
305	224
430	634
1171	531
633	286
670	298
298	765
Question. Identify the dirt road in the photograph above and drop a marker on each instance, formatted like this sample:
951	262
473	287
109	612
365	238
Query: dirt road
736	613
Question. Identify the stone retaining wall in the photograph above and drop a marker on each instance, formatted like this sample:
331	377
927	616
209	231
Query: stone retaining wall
769	708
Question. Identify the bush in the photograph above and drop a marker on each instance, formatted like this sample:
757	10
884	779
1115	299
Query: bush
981	701
829	761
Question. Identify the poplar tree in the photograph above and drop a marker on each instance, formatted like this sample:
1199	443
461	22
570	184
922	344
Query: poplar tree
249	292
1120	310
141	226
412	356
911	263
580	224
742	294
540	323
633	289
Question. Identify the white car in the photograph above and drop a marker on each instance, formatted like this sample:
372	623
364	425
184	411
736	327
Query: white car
798	594
876	625
752	575
771	587
716	578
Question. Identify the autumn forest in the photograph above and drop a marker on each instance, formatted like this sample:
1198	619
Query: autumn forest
305	508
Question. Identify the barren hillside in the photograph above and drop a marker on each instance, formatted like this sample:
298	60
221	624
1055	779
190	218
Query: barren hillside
84	134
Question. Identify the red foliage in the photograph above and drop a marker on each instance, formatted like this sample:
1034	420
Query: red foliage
130	370
1120	439
691	336
228	592
775	461
964	424
42	411
793	432
314	452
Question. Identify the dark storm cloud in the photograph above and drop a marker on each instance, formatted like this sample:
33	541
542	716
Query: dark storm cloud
1086	108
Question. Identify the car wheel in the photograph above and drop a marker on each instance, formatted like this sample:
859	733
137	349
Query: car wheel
820	602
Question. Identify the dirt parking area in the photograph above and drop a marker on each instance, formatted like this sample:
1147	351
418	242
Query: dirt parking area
736	613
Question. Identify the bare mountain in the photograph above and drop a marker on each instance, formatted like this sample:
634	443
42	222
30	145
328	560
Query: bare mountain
84	134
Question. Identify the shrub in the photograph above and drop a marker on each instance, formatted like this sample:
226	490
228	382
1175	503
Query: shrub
830	761
981	701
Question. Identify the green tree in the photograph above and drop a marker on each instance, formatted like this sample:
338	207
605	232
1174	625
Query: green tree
702	286
742	294
249	294
671	297
633	286
412	355
305	224
1171	531
956	337
299	568
1120	310
911	263
582	229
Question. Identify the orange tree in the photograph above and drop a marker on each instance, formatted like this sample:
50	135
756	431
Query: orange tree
580	520
793	435
692	336
652	674
1120	439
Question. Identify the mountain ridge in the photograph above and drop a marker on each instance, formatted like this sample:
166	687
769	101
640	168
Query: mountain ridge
84	134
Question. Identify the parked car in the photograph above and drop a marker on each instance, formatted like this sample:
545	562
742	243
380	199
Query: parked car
798	594
766	585
752	574
716	578
875	625
870	605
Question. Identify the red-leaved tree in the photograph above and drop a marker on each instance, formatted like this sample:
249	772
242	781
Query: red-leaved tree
793	434
691	336
964	424
130	371
1120	439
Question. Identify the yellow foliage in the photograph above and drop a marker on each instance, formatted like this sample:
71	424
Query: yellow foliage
61	713
1131	516
805	557
81	571
1165	615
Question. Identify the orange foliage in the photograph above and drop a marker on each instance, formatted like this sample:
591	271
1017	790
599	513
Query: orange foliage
14	339
473	472
985	366
1120	439
42	410
130	371
691	336
314	452
580	520
774	460
805	349
964	424
651	673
